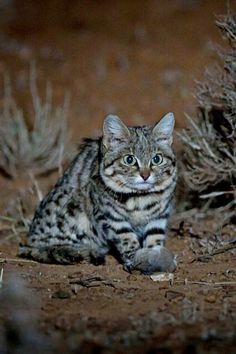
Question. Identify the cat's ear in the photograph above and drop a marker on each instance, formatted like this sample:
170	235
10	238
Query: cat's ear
163	130
114	131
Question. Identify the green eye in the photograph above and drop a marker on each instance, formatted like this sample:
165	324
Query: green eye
157	159
129	160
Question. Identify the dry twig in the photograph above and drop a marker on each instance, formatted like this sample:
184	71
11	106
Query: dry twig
1	278
206	257
16	260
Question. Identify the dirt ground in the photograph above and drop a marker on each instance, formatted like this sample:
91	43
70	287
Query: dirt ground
137	59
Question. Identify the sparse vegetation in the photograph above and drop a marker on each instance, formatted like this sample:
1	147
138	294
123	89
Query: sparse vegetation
39	149
110	66
209	160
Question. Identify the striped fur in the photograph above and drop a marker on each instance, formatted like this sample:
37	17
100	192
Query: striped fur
103	204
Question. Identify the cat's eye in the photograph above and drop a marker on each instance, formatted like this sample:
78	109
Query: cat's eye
157	159
129	160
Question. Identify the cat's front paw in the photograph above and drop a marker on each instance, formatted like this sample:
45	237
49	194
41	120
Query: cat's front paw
128	266
151	260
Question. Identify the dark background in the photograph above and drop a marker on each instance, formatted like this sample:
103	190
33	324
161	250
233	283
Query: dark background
137	59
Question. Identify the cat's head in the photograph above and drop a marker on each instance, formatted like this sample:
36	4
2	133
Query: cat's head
137	158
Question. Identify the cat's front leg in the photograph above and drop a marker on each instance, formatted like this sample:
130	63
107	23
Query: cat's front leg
125	243
154	257
155	233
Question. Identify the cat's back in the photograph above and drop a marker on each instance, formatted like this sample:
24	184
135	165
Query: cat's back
83	165
71	187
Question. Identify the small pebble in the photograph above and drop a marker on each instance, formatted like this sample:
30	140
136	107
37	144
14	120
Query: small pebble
210	298
61	294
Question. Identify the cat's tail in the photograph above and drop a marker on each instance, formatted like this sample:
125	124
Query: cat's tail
62	254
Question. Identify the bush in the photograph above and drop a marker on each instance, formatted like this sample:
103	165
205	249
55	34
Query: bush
209	159
40	149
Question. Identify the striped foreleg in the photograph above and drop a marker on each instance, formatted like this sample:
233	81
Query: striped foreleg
155	233
124	242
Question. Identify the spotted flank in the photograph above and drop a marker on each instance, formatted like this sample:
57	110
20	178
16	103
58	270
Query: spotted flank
115	197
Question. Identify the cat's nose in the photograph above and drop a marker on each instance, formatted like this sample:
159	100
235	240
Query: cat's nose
144	174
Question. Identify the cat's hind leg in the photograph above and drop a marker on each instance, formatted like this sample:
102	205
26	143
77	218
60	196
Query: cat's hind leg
63	254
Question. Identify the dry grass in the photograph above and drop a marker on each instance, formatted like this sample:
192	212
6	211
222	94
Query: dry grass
14	224
208	165
38	150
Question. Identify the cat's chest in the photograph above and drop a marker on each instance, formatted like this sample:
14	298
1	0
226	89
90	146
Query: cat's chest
140	209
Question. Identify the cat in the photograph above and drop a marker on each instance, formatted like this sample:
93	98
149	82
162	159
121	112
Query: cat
115	197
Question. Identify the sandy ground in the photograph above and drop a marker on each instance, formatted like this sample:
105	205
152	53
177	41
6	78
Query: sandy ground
139	60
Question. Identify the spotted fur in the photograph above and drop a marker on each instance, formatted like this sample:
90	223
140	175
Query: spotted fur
103	203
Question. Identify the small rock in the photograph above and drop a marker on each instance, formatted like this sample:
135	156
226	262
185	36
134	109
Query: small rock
211	298
151	260
131	277
162	277
61	294
75	288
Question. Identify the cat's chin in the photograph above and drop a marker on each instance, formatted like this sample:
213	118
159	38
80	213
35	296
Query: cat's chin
143	186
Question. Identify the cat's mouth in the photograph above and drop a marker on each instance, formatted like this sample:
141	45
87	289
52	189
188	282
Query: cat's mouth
143	185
